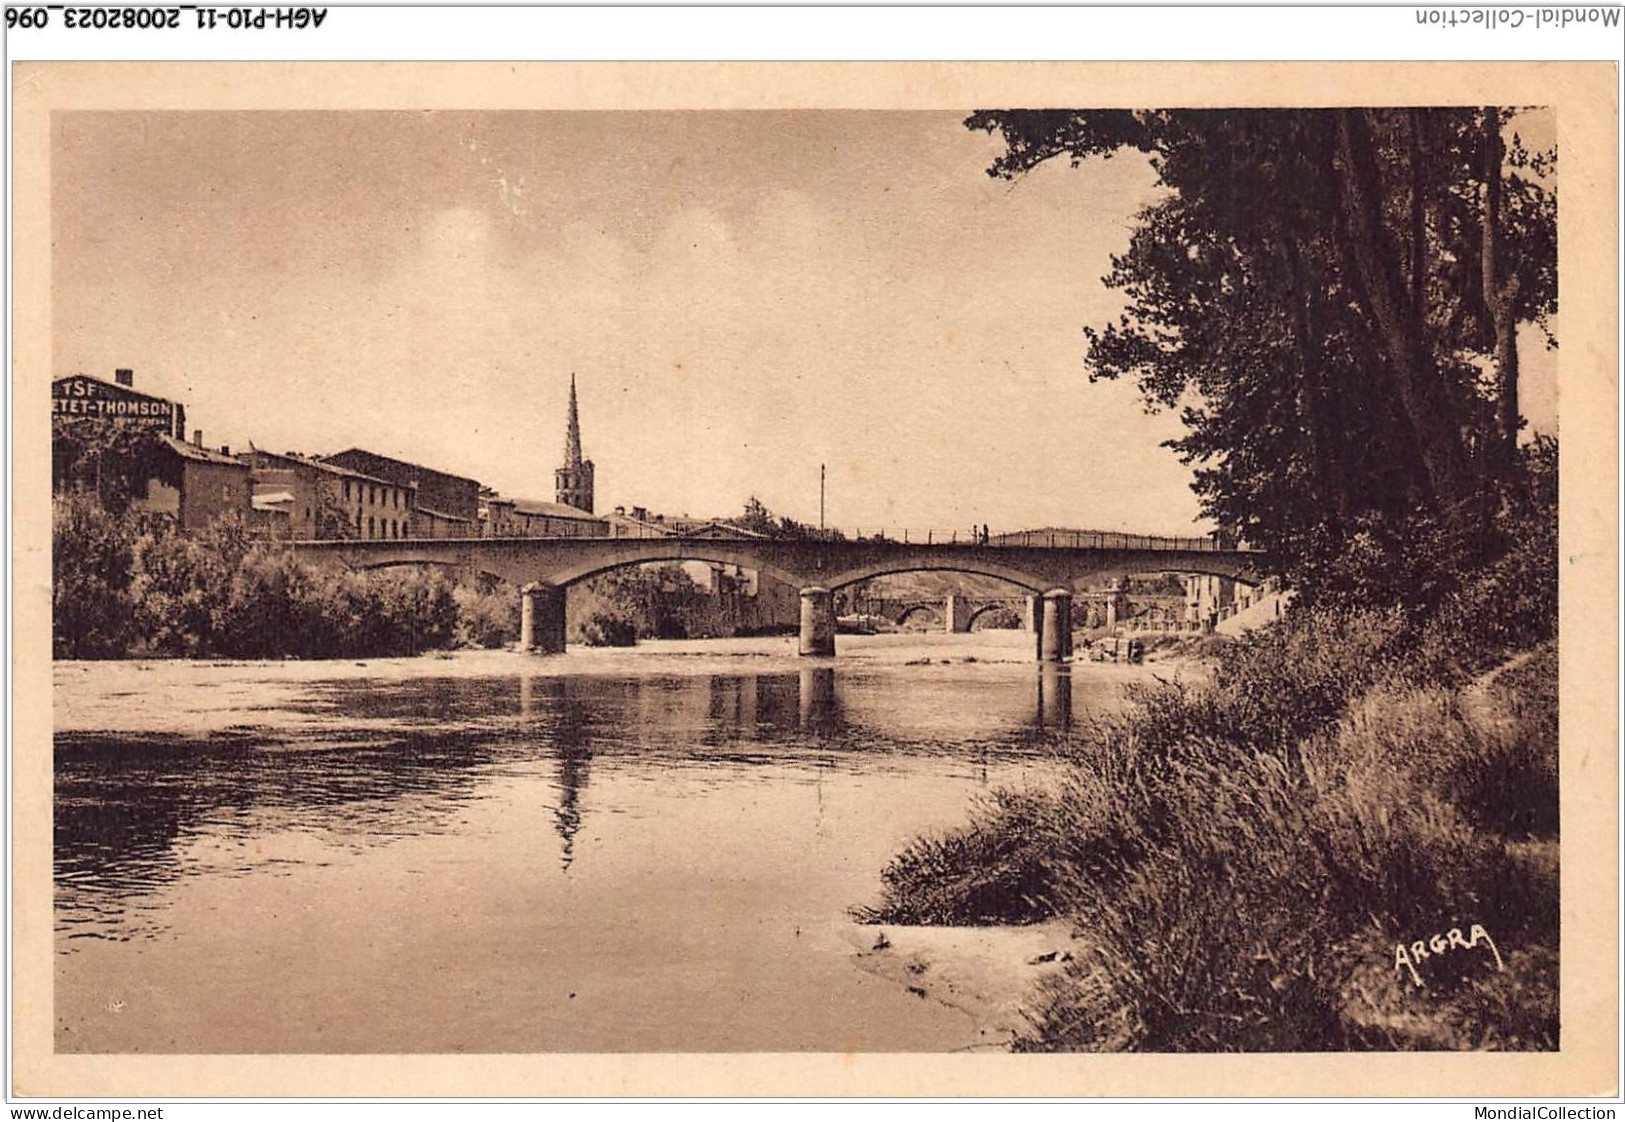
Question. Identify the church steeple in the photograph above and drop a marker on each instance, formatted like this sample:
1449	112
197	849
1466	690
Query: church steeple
572	483
572	432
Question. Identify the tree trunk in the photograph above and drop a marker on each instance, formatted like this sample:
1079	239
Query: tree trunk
1418	233
1508	420
1375	274
1325	458
1500	299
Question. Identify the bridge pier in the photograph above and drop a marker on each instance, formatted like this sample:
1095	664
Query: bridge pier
1116	604
1055	639
955	614
817	622
541	619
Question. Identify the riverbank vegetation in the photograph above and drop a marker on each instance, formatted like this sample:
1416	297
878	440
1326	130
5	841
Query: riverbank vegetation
127	585
1346	836
1241	857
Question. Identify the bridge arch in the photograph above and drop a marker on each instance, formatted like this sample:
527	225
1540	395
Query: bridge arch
687	551
990	609
932	611
918	564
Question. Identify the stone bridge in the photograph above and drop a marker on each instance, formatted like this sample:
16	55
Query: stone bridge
1048	568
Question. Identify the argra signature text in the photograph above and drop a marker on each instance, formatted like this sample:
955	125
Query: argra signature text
1406	957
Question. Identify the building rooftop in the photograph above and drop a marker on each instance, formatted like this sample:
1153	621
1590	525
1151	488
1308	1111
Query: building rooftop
658	525
297	460
712	528
121	387
551	510
199	454
397	462
433	513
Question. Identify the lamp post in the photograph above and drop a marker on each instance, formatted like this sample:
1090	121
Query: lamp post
820	500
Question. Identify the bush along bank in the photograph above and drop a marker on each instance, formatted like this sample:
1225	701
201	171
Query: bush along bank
1345	839
128	586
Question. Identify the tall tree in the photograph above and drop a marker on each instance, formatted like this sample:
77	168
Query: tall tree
1303	295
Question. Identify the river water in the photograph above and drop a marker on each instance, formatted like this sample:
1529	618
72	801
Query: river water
652	850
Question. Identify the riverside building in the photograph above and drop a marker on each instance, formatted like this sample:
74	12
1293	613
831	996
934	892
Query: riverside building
83	396
324	500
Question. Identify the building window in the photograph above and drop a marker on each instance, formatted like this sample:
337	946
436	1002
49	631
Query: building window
369	526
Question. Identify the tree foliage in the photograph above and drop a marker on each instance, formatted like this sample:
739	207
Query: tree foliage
91	607
1330	298
132	584
111	460
757	519
655	601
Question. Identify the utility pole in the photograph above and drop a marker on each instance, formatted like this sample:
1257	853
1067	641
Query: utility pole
820	499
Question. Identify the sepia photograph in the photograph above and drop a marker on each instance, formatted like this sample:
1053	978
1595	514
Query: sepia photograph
949	579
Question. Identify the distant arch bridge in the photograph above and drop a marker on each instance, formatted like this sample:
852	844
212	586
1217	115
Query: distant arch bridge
952	611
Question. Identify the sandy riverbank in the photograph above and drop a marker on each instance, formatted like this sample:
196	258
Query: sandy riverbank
989	974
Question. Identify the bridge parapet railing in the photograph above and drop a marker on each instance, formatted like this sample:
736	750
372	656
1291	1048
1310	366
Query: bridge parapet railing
1044	539
1020	539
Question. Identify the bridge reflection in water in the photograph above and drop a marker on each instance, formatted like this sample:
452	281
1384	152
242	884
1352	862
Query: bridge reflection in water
763	717
368	761
1054	696
768	708
819	708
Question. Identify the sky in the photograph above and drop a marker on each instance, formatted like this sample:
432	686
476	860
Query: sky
741	296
